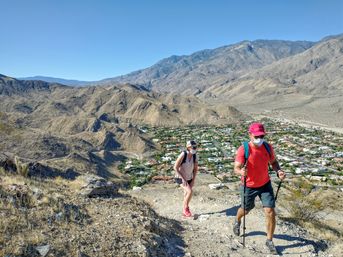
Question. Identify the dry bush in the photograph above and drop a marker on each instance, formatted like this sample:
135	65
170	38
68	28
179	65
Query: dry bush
2	171
22	168
301	204
309	208
28	209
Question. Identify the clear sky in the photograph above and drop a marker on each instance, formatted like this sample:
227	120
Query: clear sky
96	39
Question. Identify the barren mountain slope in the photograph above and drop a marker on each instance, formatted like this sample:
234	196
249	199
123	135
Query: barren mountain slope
306	86
196	72
69	126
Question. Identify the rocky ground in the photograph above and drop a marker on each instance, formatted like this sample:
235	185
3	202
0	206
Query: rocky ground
88	215
83	217
209	232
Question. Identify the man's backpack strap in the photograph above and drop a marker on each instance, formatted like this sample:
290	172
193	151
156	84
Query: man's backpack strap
246	151
267	146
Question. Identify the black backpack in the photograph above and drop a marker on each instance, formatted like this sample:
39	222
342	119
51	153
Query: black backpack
185	156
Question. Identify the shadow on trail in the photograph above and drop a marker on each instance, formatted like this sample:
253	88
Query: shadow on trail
171	233
228	212
319	245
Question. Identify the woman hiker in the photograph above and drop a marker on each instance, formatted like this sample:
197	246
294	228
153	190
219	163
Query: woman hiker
186	168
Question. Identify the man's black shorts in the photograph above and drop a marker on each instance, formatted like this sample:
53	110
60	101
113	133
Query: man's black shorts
265	193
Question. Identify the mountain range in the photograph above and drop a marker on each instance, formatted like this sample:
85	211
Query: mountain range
88	128
307	86
196	72
69	82
299	80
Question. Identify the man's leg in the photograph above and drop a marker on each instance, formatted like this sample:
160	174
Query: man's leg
249	205
268	202
270	221
249	202
240	214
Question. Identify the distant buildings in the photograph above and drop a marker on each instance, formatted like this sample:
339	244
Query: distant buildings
302	151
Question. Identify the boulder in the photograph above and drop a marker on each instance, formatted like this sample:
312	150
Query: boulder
94	186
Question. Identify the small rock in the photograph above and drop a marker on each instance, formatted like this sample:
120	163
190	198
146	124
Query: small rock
43	250
216	186
136	189
204	217
59	216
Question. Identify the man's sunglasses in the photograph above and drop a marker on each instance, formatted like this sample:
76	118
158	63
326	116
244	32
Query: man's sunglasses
194	147
261	136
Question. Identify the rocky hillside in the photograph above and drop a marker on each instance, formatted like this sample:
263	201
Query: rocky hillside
306	86
89	216
91	128
47	217
10	86
198	71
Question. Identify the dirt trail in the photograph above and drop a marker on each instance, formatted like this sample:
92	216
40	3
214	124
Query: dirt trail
210	234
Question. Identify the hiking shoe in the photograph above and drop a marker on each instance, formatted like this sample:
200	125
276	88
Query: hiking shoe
236	227
271	247
187	212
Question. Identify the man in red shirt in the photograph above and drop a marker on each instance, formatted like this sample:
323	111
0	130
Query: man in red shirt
255	168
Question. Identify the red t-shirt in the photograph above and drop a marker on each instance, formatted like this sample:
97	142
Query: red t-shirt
257	165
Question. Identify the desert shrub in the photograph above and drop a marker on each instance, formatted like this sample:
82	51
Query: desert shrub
121	166
22	168
20	197
2	171
302	205
67	212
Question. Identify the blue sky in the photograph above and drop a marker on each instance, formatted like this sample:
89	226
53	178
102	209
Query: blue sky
96	39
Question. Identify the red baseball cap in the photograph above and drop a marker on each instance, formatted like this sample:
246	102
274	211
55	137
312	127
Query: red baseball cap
257	129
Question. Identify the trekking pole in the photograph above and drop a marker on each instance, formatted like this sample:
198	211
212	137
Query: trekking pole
277	191
245	185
